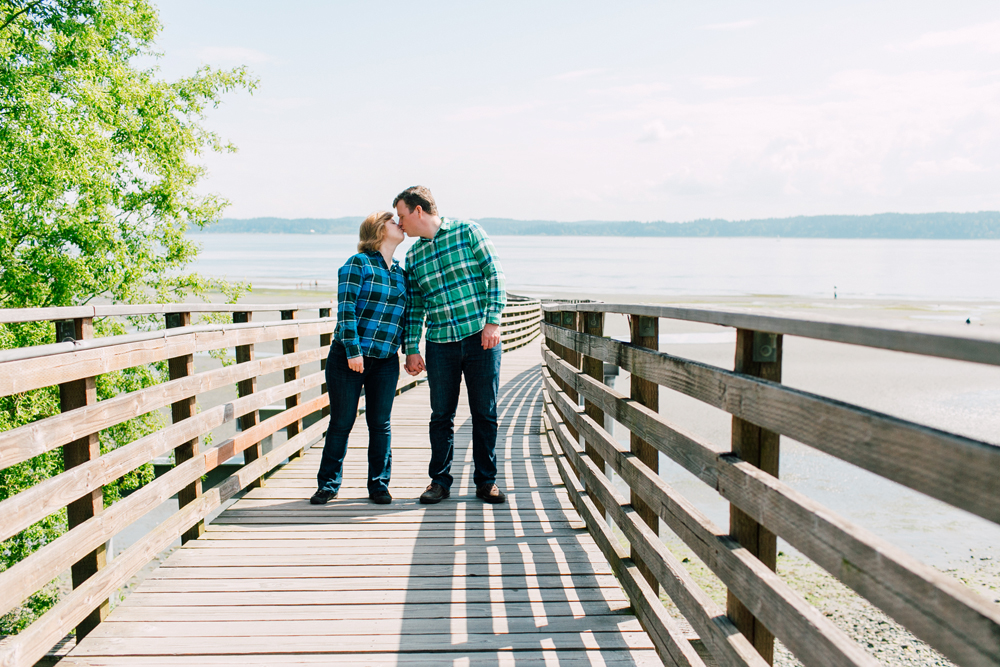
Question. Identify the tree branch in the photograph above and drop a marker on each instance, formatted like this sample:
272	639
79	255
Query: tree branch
16	14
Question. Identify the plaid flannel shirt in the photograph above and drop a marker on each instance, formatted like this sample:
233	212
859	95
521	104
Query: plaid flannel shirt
371	299
455	283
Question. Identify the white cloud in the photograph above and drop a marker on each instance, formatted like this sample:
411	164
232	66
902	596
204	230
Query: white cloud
233	55
984	36
731	26
955	165
724	82
657	131
489	111
579	74
631	90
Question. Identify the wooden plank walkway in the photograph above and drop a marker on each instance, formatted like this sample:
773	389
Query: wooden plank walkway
277	581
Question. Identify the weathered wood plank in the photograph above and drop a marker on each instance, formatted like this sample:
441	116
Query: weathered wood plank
932	605
25	369
983	349
801	627
36	438
48	496
666	635
727	646
32	643
957	470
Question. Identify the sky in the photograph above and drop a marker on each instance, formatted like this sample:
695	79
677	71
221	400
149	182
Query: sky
586	110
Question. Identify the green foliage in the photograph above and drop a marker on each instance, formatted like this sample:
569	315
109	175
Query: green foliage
97	189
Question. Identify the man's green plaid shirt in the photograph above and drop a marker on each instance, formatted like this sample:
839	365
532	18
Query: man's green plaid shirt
455	283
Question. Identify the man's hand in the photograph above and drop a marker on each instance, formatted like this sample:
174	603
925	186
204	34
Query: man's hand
357	364
414	364
491	336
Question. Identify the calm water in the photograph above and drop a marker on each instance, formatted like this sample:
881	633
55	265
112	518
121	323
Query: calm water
867	268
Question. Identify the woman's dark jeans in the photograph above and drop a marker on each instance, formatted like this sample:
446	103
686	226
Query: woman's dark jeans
446	363
379	381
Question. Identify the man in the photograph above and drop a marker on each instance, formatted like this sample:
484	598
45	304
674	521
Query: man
457	285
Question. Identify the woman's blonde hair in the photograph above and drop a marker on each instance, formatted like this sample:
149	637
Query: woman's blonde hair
372	231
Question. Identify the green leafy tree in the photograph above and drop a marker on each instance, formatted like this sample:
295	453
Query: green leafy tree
98	178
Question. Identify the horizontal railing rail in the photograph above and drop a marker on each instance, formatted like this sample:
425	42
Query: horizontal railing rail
74	363
961	471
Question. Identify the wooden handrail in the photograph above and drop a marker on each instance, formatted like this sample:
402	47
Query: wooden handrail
933	606
72	361
15	315
980	348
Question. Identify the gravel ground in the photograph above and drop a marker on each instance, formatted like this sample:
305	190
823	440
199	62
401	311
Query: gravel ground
886	640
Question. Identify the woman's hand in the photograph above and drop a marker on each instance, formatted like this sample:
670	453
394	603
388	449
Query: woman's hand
357	364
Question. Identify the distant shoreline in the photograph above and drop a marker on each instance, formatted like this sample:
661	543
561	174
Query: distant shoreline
980	225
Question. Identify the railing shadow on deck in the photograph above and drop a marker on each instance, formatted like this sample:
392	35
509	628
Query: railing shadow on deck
960	471
73	364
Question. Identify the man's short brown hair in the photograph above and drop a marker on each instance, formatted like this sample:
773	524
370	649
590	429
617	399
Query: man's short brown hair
416	196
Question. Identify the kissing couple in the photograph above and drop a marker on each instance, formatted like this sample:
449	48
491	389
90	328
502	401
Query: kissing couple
454	284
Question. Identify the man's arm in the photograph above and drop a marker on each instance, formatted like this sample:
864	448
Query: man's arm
486	256
413	316
413	324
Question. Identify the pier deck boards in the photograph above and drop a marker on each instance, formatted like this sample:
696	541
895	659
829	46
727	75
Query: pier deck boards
277	581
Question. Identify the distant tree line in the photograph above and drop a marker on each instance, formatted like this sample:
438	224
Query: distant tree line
981	225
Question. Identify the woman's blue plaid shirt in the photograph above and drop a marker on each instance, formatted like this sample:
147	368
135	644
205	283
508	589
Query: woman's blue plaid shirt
371	300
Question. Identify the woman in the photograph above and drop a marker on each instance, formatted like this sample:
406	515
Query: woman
371	294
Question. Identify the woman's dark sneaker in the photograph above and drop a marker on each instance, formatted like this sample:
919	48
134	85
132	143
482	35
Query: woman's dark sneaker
490	493
381	497
322	497
435	493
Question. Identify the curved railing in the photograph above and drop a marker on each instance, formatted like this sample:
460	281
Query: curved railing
960	471
295	366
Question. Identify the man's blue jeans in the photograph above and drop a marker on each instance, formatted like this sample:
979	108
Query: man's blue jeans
446	362
379	382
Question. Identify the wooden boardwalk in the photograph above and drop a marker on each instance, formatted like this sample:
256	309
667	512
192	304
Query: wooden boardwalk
277	581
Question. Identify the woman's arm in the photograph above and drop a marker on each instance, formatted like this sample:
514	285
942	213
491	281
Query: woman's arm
349	280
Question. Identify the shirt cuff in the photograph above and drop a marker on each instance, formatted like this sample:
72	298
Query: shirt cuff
412	349
493	319
353	350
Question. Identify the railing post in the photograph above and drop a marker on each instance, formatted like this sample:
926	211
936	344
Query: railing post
593	324
291	346
757	354
645	333
73	395
185	408
324	341
570	320
244	354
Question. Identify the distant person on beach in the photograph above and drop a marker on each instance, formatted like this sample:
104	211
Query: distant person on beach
457	286
371	299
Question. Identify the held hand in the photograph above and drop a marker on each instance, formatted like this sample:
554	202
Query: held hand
357	364
491	336
414	364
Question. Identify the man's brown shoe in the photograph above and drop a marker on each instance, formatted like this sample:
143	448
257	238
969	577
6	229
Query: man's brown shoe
435	493
490	493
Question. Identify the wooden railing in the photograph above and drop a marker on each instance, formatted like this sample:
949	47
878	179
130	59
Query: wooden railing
520	322
74	362
965	473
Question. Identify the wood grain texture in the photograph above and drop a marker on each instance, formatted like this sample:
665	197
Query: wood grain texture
801	627
954	469
760	448
980	349
935	607
48	496
275	579
725	643
30	368
38	437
